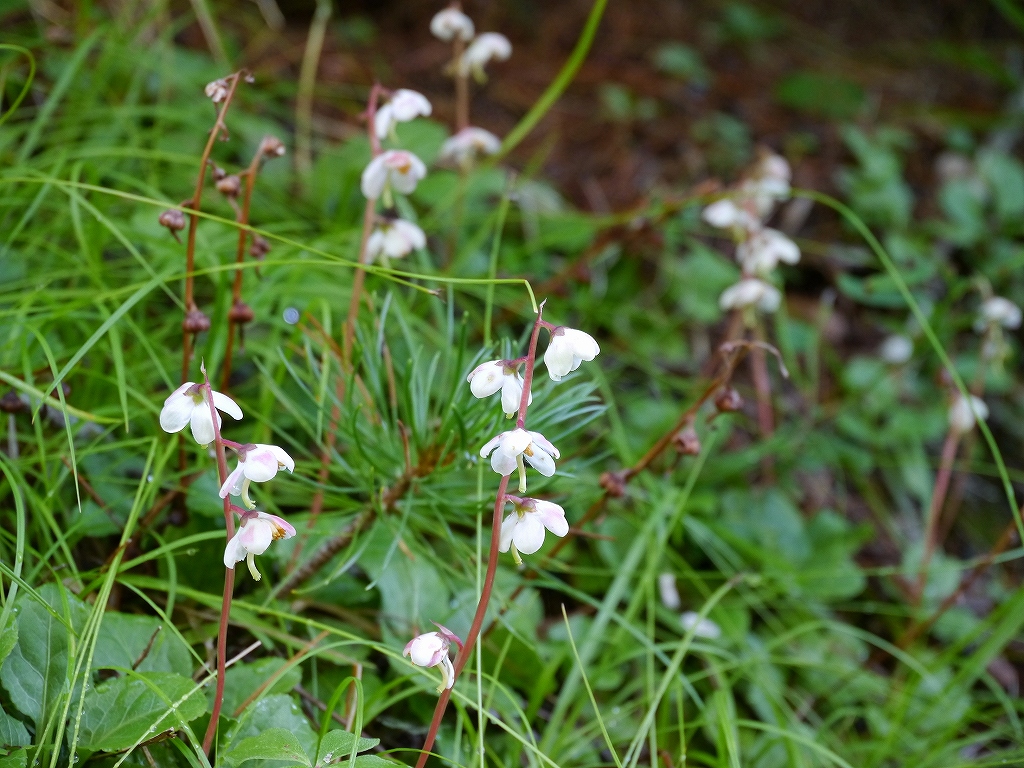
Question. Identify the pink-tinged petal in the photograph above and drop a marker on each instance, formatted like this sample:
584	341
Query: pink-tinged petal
283	529
260	466
202	424
491	444
233	484
227	405
176	412
426	650
542	462
541	441
529	534
448	635
503	463
508	527
256	536
486	379
234	552
282	456
551	516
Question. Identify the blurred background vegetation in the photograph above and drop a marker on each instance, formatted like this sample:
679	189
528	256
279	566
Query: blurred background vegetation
801	546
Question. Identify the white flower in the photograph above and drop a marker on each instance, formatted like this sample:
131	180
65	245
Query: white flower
523	529
489	45
761	252
217	91
257	463
405	105
750	292
997	311
257	530
431	650
701	627
963	414
567	349
487	378
511	448
394	238
896	349
726	214
452	22
668	591
466	146
395	169
190	404
768	183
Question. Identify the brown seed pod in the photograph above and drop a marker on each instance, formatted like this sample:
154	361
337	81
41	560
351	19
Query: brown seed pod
229	186
272	146
173	219
687	442
240	313
195	321
260	247
728	400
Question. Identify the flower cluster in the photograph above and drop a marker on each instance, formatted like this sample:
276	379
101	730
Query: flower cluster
196	405
760	249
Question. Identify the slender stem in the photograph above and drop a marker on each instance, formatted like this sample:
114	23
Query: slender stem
193	219
307	85
763	388
478	620
461	85
229	574
938	499
243	235
531	361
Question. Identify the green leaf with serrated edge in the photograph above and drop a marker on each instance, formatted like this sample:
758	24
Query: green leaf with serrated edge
123	639
275	711
121	711
242	680
338	744
13	732
35	673
276	744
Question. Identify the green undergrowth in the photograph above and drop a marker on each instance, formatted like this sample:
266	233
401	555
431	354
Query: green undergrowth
795	545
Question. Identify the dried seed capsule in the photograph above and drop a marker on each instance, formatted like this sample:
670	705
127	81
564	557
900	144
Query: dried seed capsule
272	146
229	185
195	321
240	313
728	400
173	219
687	442
260	247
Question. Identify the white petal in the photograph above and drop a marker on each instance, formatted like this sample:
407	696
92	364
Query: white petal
582	344
722	214
545	444
503	463
508	526
552	516
529	534
282	457
176	412
202	424
408	105
227	405
558	357
233	483
384	121
511	393
413	235
374	178
256	536
516	441
375	244
486	379
542	462
491	444
234	552
260	465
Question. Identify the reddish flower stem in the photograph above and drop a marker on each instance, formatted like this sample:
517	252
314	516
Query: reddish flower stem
492	558
461	85
949	448
229	574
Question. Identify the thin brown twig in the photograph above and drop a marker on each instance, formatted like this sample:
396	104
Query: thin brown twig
949	448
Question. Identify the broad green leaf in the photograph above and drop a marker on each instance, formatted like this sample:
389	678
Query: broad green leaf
123	639
276	711
374	761
17	759
121	711
13	732
36	672
338	744
275	744
242	680
8	639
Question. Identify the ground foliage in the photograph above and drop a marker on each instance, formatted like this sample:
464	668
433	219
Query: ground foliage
802	546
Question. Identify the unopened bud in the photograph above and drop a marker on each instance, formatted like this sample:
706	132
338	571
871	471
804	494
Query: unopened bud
173	219
240	313
11	403
218	173
687	442
217	91
272	146
260	247
195	321
614	483
229	185
728	400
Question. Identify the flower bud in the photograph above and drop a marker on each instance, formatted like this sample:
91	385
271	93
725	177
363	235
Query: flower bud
217	91
173	219
272	146
229	186
687	442
728	400
260	247
195	321
240	313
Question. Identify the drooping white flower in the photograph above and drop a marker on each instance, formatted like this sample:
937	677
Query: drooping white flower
217	91
484	48
487	378
395	169
523	529
726	214
462	149
896	349
705	628
997	311
509	449
567	349
750	292
760	253
256	531
405	105
451	23
190	404
767	184
257	463
431	650
394	238
668	591
964	413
